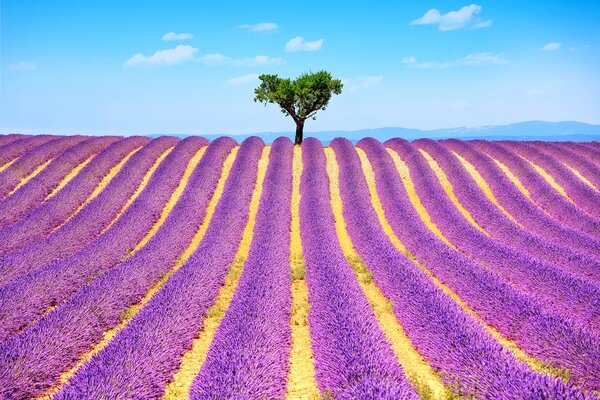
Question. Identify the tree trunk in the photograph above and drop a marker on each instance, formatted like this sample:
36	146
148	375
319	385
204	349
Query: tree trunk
299	132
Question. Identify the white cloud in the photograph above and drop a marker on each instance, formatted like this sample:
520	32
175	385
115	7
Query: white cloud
258	61
171	36
23	66
575	49
460	105
467	18
216	59
186	53
471	60
262	27
552	46
243	80
299	44
362	82
178	55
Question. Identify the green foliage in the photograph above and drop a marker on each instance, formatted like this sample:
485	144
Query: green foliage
300	98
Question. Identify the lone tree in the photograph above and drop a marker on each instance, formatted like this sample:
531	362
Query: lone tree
300	98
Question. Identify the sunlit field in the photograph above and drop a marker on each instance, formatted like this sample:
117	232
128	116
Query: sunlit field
182	268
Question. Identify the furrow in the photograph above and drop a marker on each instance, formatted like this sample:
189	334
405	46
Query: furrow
521	243
471	362
540	191
404	173
8	164
391	233
130	295
149	173
485	188
301	383
214	310
584	250
590	152
249	354
33	162
90	222
170	203
29	297
559	177
169	330
55	344
36	191
586	170
441	175
69	177
11	152
353	357
42	220
522	318
583	178
421	375
9	138
106	179
32	175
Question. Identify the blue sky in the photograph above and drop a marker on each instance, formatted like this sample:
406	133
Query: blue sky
140	67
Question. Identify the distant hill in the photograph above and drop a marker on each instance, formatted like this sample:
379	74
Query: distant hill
530	130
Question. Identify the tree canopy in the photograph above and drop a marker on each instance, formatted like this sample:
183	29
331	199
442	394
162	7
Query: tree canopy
300	98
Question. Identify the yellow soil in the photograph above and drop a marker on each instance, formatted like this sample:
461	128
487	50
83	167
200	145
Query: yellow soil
517	182
301	377
101	186
548	178
140	187
419	372
194	358
32	175
8	164
171	202
134	309
581	177
70	176
441	175
483	185
513	178
535	364
404	173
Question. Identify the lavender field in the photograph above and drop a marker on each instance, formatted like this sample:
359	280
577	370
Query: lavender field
167	268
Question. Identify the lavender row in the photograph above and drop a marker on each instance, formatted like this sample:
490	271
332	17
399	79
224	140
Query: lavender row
588	150
497	224
13	150
38	188
148	350
42	220
540	191
11	137
249	354
467	357
94	217
586	198
353	358
571	157
549	338
53	345
28	163
24	166
555	290
29	297
584	264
